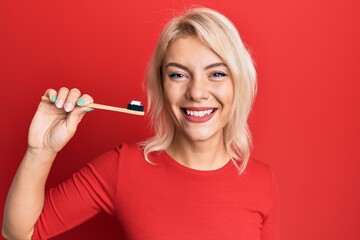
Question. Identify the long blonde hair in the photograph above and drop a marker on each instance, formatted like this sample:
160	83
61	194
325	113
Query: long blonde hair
220	35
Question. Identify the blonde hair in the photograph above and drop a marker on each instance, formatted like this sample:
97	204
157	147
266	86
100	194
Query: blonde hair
220	35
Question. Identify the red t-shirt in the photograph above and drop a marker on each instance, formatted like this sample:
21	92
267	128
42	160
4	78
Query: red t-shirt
165	200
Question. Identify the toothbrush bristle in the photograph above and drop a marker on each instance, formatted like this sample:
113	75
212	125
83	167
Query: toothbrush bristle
136	106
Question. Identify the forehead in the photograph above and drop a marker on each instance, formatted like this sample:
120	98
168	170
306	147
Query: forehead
190	50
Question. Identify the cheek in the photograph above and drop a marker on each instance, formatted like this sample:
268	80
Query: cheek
172	97
225	94
168	94
173	92
167	90
230	91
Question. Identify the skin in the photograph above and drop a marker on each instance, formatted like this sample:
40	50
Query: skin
53	125
196	78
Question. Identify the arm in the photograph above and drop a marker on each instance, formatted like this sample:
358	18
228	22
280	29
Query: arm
53	125
270	229
89	191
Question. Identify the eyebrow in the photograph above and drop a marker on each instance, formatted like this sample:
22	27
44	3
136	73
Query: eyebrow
178	65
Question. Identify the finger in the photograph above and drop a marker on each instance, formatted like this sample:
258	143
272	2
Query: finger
82	108
61	97
78	113
84	100
51	94
71	99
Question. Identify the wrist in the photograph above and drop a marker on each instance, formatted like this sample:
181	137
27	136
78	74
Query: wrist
40	155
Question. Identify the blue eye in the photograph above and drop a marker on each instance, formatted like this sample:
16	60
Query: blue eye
218	75
176	75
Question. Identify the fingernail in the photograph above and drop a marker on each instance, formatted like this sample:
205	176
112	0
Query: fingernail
53	98
88	110
80	102
68	107
59	103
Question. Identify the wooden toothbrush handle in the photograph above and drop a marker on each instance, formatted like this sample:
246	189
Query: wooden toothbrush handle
106	107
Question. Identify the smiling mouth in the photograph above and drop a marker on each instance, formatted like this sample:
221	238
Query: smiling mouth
198	113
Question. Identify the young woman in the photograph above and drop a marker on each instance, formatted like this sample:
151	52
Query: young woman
191	180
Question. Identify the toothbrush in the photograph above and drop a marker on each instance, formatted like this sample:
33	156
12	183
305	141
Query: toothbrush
133	108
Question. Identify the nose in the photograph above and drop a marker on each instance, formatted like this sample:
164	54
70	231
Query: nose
197	89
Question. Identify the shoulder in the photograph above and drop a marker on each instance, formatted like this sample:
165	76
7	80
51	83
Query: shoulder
112	158
126	148
260	174
256	167
121	151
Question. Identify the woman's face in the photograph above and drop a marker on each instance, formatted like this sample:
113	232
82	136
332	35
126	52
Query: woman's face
198	90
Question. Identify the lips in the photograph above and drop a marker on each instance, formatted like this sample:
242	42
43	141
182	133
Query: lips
198	114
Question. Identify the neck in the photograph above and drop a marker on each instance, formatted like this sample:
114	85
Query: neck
199	155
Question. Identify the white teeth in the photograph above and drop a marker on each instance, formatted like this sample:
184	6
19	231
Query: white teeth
199	113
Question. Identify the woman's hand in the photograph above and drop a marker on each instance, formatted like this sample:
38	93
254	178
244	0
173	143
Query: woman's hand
52	127
55	122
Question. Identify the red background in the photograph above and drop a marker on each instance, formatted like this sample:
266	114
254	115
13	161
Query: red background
305	120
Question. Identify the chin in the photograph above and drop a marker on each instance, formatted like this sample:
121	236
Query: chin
200	136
